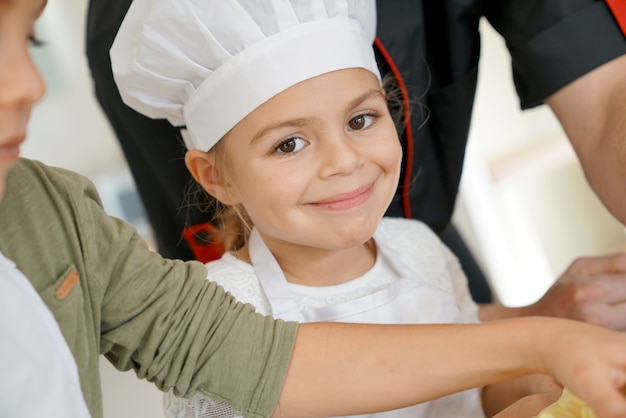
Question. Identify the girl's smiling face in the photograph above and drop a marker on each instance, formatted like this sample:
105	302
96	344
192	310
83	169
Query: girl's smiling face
21	84
317	165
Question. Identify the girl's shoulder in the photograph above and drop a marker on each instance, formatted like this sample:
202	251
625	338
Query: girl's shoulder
238	278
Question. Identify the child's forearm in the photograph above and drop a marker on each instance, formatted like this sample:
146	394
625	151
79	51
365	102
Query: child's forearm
341	369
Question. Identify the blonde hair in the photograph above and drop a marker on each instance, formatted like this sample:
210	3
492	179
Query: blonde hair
232	221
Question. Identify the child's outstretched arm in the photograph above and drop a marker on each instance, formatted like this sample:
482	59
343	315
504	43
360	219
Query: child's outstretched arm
340	369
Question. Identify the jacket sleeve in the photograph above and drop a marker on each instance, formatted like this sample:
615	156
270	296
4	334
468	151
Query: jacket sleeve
554	42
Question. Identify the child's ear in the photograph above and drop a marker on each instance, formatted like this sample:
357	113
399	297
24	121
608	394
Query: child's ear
202	167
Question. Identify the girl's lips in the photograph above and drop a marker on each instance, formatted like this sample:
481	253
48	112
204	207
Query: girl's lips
346	200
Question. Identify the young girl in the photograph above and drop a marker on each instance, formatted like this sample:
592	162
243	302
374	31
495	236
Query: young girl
281	106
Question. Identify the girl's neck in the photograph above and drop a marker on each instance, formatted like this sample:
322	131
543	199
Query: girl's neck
321	267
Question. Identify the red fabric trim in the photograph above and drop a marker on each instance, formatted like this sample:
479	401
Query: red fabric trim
406	182
618	7
203	241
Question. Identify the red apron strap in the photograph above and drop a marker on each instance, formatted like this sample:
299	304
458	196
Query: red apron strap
618	7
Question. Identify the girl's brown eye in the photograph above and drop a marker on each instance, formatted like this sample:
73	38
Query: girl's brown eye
357	123
287	146
290	146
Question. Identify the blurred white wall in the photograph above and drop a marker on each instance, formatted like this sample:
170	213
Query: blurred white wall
67	128
524	204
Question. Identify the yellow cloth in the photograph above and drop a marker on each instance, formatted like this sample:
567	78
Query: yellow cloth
567	406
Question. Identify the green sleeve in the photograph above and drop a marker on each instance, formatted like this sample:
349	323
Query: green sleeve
161	318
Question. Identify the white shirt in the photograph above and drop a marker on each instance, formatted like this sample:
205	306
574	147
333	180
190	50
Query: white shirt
38	375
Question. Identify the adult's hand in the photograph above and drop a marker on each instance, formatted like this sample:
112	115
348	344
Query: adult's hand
592	289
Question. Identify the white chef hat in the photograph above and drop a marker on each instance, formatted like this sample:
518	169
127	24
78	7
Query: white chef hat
206	64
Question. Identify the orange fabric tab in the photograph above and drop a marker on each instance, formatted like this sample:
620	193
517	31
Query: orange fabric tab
618	7
67	285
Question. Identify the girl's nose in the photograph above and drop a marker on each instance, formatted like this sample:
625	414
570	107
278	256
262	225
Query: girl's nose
341	156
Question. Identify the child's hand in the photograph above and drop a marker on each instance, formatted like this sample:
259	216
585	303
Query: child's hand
591	362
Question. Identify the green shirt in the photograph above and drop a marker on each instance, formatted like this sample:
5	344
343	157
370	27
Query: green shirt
160	317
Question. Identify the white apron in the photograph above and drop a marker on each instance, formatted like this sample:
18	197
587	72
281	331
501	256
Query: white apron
406	301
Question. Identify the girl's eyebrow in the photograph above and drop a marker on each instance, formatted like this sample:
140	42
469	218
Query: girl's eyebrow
364	97
296	123
293	123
